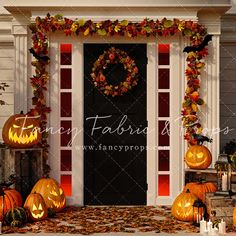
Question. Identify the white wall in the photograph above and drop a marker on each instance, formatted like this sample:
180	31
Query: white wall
228	76
6	66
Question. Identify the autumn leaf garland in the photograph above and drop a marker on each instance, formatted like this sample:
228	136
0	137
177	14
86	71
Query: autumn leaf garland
146	28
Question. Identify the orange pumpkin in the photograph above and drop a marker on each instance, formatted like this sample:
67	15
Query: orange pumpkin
51	192
36	207
182	208
200	188
21	131
198	157
10	199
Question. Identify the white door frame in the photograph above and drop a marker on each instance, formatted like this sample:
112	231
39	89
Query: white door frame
77	115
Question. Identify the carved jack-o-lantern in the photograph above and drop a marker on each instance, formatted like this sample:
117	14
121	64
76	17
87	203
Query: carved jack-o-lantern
182	208
198	157
36	207
21	131
51	192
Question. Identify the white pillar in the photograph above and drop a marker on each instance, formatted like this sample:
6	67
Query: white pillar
210	88
20	32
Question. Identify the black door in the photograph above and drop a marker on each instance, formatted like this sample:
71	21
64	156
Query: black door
115	162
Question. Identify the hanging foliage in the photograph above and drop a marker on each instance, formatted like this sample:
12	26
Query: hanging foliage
146	28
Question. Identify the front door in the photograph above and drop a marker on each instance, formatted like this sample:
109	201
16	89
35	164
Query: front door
115	161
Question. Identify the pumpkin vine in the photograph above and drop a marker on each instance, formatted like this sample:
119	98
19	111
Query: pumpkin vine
146	28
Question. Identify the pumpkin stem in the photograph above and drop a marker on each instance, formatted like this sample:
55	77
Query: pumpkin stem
187	191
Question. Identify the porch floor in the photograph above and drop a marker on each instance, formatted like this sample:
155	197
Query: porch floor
111	221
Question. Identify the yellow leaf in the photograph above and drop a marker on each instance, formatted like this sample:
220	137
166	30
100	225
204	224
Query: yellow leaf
181	26
124	22
98	25
192	54
117	28
168	23
194	107
86	32
102	32
129	35
81	22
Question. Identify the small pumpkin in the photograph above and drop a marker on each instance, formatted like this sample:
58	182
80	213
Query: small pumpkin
51	192
10	199
21	131
16	217
36	207
182	208
198	157
199	189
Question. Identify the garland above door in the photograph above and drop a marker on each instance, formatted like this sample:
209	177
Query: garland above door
196	52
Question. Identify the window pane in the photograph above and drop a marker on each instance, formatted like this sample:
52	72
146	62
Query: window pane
66	50
164	162
65	160
66	184
66	78
164	78
163	54
163	133
66	104
164	185
163	104
65	133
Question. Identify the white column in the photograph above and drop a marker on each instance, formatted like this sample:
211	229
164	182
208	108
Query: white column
210	88
19	31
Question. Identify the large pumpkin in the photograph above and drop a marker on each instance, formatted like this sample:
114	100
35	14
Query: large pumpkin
198	157
10	199
36	207
51	192
200	188
182	208
21	131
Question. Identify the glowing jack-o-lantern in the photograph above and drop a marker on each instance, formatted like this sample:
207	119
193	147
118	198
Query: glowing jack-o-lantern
21	131
198	157
182	208
36	207
51	192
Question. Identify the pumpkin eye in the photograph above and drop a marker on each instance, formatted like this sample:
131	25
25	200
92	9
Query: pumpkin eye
53	193
200	155
190	154
16	126
30	126
34	208
40	207
61	191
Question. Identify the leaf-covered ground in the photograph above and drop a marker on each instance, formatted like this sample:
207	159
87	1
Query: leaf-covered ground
88	220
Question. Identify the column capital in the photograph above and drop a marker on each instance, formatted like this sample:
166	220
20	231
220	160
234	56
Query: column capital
20	23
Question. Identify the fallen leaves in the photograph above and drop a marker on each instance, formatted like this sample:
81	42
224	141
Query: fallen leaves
89	220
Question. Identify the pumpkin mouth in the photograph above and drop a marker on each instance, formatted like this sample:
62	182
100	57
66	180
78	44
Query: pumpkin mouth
37	215
23	139
57	204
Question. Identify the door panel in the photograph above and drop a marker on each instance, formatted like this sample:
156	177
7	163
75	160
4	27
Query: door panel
113	176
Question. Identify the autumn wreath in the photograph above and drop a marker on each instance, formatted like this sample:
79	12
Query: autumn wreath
114	56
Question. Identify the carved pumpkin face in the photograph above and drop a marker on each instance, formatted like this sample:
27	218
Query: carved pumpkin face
182	208
51	192
198	157
36	207
21	131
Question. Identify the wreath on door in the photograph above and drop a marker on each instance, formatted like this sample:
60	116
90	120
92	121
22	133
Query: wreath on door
114	56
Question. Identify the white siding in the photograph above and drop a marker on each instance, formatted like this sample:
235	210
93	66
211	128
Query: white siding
228	91
6	67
